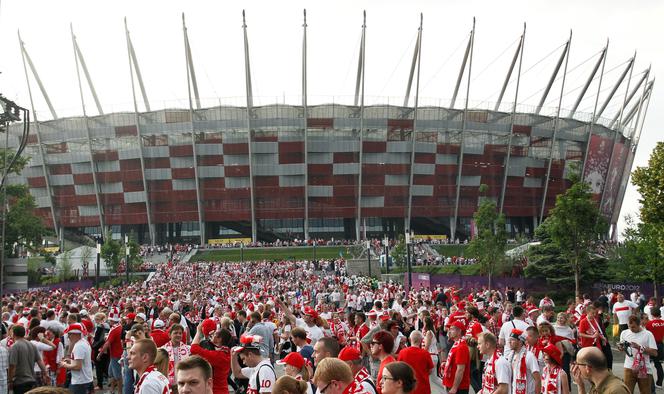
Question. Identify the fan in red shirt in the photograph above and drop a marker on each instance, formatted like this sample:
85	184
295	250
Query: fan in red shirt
216	351
456	369
656	327
458	315
474	317
420	360
113	346
590	331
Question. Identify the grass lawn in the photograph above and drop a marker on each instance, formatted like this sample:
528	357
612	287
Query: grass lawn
296	253
444	269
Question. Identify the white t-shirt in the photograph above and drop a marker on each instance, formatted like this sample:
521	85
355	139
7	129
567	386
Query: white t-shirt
643	338
503	371
623	310
506	330
82	351
266	377
154	383
314	332
532	366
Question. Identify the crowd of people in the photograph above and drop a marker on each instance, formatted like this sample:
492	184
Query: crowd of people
298	327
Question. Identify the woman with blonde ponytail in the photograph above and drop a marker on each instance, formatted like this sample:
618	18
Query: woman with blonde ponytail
289	385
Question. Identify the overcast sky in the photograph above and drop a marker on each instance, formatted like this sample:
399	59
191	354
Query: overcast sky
275	35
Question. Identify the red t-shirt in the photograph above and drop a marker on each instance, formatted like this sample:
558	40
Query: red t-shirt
457	316
115	342
588	328
220	360
379	377
459	355
474	329
656	326
420	360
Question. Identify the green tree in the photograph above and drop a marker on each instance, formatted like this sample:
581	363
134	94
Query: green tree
111	252
23	226
135	259
574	226
65	266
488	246
399	253
641	259
650	184
546	261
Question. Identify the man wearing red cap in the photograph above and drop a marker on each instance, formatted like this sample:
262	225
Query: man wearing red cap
420	360
353	358
80	360
456	369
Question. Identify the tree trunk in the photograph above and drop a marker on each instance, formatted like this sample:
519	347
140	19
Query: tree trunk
490	275
655	292
577	277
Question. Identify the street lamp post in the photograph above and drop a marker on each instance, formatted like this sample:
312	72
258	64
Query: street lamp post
408	262
314	250
98	264
369	257
386	247
242	252
126	239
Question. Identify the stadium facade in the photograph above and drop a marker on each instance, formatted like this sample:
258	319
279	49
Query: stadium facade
330	170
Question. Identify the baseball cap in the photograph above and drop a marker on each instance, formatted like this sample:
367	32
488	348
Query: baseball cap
349	353
294	359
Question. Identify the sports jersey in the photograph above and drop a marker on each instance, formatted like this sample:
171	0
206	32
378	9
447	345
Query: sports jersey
261	377
623	310
152	382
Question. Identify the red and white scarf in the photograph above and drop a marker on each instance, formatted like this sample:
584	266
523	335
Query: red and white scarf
361	376
175	355
521	377
640	364
551	379
489	380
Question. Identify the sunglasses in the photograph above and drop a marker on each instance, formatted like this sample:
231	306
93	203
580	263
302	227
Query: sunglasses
324	389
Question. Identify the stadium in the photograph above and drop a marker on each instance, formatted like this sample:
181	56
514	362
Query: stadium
329	170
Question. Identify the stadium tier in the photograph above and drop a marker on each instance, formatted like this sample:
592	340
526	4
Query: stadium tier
147	173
